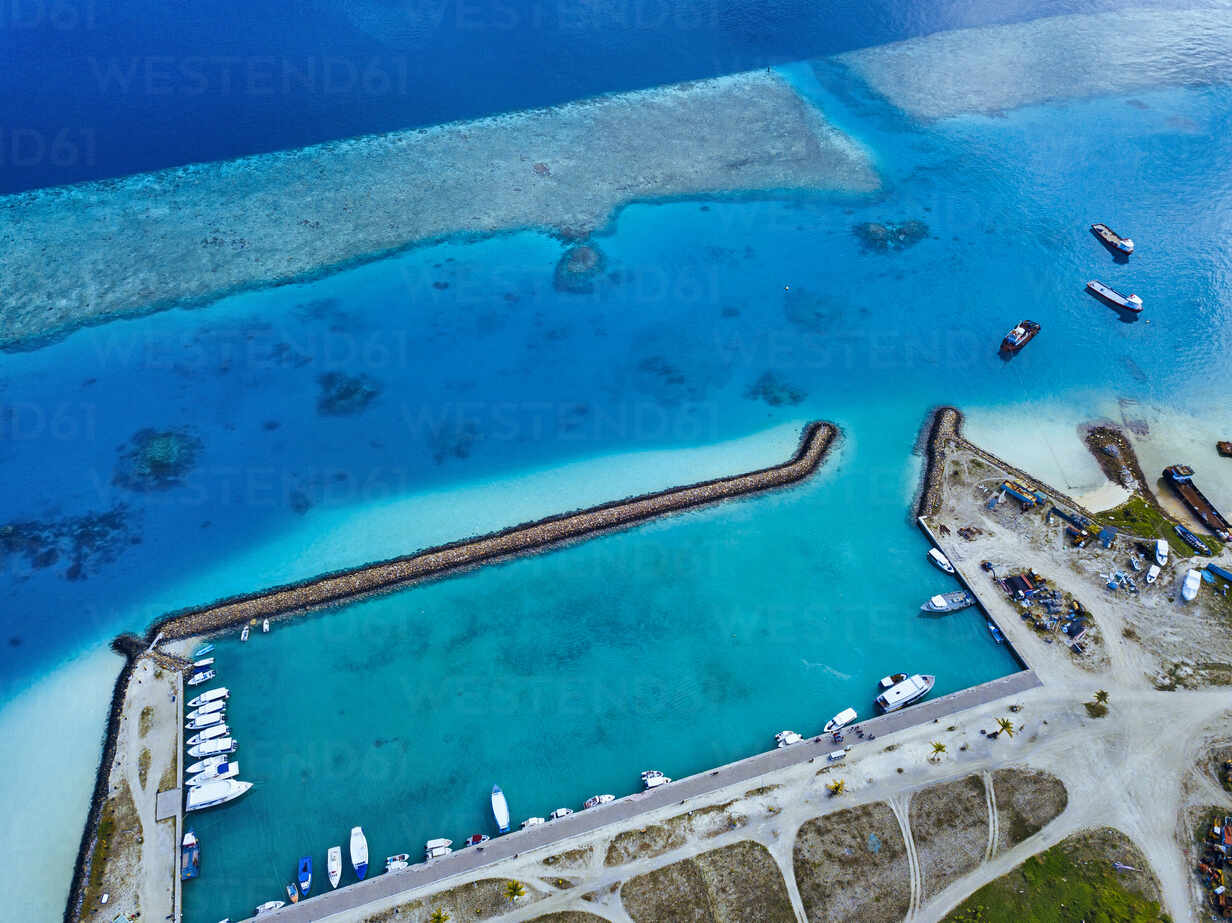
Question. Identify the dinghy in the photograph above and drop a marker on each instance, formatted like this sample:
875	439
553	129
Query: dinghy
359	852
333	865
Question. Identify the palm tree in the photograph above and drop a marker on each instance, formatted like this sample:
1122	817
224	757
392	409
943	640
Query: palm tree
439	916
1101	696
514	890
1005	725
938	750
837	787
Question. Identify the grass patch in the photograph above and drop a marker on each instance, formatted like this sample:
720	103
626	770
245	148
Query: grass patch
1095	709
143	766
1139	517
146	721
1075	880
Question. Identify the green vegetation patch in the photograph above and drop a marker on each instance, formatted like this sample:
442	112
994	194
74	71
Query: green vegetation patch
1144	519
1075	880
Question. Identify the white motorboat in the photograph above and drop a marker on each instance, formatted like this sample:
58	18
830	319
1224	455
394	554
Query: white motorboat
438	843
650	774
892	680
397	863
787	738
841	720
207	709
217	774
532	822
204	721
210	733
203	677
205	765
500	809
333	865
203	663
213	747
269	907
244	634
595	800
265	627
559	813
655	781
1109	295
210	695
1153	574
359	852
912	689
211	794
1189	587
940	560
1161	552
439	852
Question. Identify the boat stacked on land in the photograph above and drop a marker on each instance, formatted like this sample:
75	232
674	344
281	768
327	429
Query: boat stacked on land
1190	585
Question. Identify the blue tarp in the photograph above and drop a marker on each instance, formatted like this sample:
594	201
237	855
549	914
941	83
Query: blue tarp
1220	572
1106	535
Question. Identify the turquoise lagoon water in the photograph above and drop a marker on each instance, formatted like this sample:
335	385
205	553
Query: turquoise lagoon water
678	645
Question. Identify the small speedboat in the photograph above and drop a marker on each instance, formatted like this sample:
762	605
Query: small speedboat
1161	552
841	720
1152	574
650	774
892	680
333	865
1189	588
476	839
532	822
304	876
190	857
595	800
210	733
210	695
397	863
1120	246
438	843
202	651
265	627
948	602
244	634
1192	540
359	852
292	893
269	907
900	695
940	561
787	738
559	813
1109	295
439	852
500	809
203	663
1020	336
203	677
996	633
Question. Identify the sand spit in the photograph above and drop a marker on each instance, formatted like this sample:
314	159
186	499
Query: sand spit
87	253
995	68
356	583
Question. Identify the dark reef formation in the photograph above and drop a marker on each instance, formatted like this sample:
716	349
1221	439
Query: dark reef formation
84	542
345	394
156	459
775	391
578	268
883	238
807	310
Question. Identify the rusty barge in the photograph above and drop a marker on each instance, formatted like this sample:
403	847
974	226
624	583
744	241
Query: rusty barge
1180	479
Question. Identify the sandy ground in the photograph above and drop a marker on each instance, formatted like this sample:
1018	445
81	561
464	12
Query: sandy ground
142	866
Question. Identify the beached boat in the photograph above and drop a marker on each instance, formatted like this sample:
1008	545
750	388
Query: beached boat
948	602
996	633
205	765
892	680
1120	246
1192	540
269	907
222	771
1161	552
476	839
397	863
650	782
209	708
204	721
359	852
1189	587
292	894
265	627
1180	479
333	865
559	813
214	793
532	822
1020	336
210	695
210	733
304	875
190	857
841	720
212	747
500	809
203	677
202	651
1152	574
787	738
1110	296
244	634
940	561
912	689
595	800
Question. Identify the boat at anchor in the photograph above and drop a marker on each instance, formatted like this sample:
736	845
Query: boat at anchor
1020	336
1120	246
1111	296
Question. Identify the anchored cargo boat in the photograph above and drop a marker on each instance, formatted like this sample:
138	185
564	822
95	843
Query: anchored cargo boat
1120	246
949	602
1020	336
1180	479
1109	295
900	695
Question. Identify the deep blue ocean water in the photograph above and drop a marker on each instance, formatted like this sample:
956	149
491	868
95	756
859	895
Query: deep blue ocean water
90	88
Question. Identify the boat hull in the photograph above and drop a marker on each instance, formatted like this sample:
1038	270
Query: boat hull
500	809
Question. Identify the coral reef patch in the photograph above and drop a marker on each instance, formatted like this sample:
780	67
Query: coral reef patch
84	542
775	391
342	395
884	238
578	268
156	459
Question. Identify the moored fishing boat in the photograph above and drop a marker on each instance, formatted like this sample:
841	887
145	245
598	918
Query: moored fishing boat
476	839
359	852
205	765
892	680
1120	246
912	689
948	602
292	893
265	627
212	747
244	634
222	771
190	857
787	738
558	814
595	800
304	876
1020	336
212	794
649	782
210	733
397	863
203	663
996	633
203	677
500	809
269	907
210	695
1192	541
333	865
1110	296
438	852
532	822
940	561
204	721
208	708
841	720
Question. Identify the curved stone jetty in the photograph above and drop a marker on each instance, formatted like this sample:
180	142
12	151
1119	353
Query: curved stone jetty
356	583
